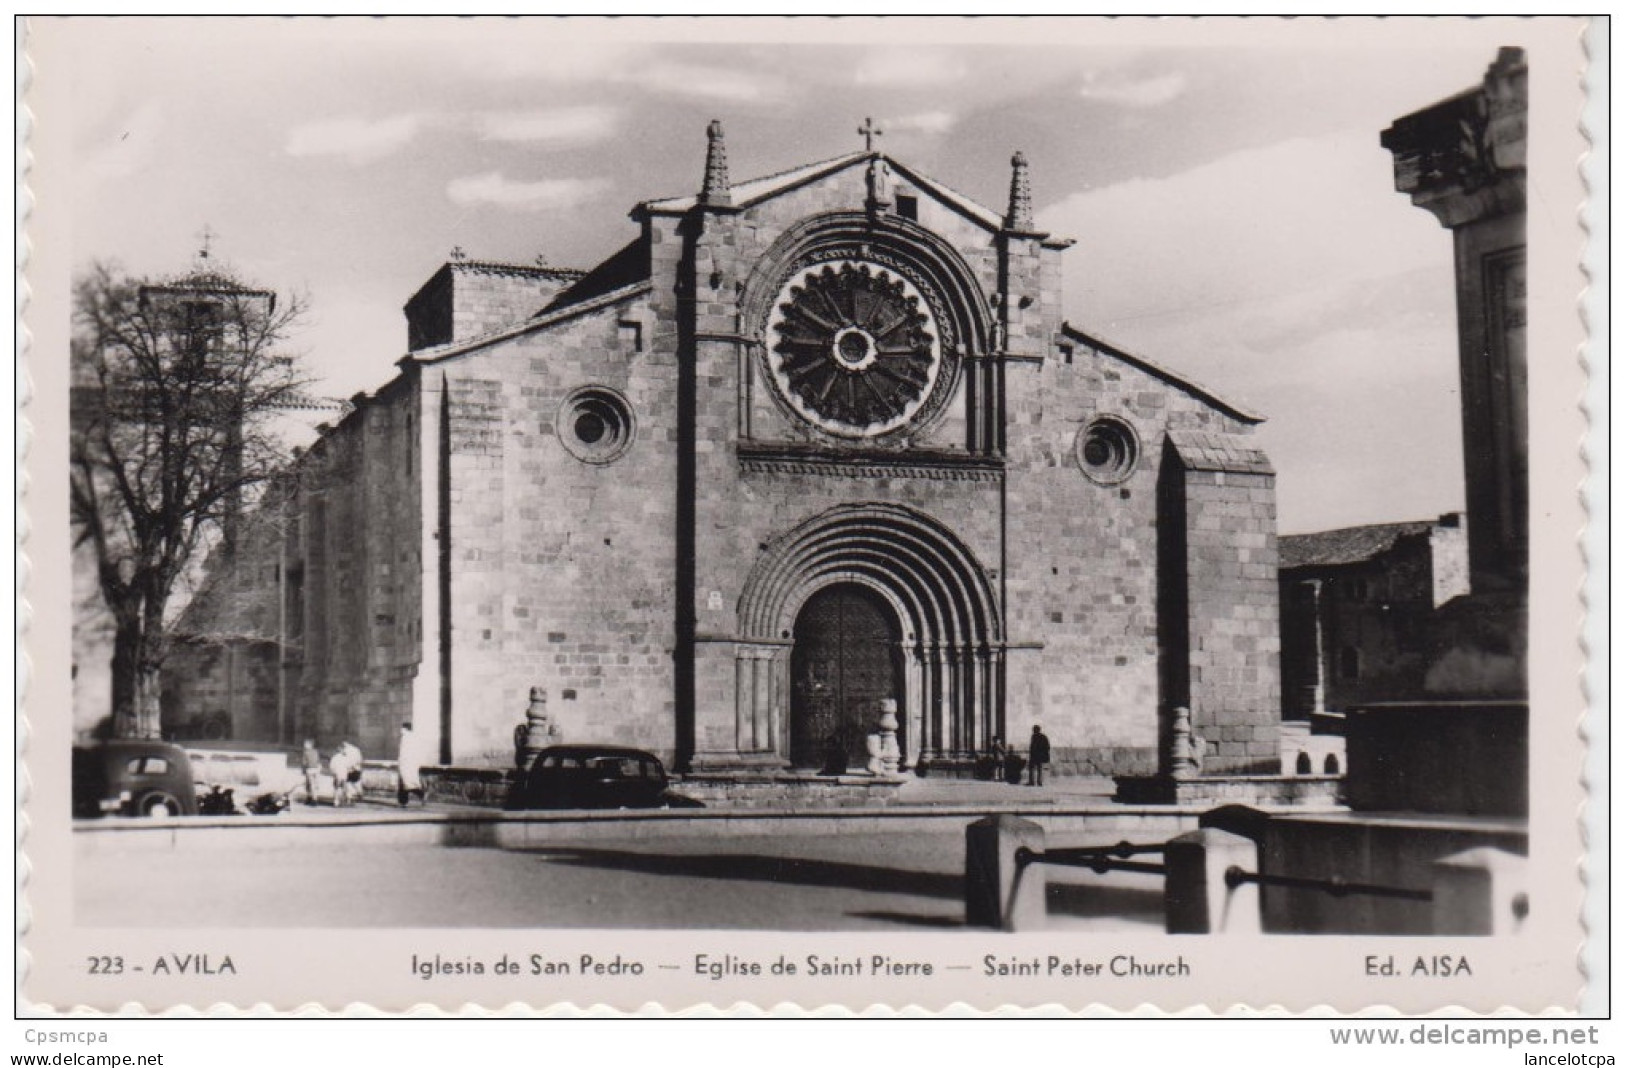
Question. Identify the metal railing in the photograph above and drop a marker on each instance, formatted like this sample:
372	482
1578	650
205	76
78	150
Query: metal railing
1098	859
1335	886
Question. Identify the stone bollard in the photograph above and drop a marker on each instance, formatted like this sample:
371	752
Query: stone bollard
1196	899
1000	891
1481	891
535	733
871	745
889	753
1185	749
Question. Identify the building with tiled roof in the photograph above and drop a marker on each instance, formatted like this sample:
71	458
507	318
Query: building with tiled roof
1356	605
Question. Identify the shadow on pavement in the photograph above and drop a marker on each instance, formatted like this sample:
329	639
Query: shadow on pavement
910	919
1143	904
1094	900
754	867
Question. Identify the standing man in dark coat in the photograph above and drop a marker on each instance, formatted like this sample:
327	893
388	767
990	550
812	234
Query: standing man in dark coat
1037	757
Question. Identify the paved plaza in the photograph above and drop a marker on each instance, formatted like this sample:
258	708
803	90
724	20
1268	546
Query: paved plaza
817	876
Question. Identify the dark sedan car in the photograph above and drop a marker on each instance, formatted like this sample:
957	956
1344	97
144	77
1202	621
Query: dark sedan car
591	776
131	777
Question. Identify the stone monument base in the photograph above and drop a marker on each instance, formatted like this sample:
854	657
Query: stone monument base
1318	790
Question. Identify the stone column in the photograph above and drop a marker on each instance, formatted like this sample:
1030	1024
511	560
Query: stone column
1464	160
914	704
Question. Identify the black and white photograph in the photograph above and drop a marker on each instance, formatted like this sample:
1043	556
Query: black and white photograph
859	511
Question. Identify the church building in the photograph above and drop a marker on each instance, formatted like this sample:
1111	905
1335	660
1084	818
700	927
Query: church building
806	442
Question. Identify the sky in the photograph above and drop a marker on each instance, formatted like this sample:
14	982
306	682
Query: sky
1234	212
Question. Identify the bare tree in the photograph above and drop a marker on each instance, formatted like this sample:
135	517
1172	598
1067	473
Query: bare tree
176	387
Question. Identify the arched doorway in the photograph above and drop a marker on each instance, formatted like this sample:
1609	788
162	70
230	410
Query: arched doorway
846	658
938	607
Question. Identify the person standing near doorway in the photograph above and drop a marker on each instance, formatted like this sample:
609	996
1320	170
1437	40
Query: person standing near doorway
409	760
339	765
1037	757
311	761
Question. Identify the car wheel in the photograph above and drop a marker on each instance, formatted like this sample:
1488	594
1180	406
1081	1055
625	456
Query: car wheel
160	806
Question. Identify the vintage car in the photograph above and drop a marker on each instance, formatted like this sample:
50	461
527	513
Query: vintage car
131	777
591	776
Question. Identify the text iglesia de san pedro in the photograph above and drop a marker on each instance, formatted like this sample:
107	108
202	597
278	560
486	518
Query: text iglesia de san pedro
805	443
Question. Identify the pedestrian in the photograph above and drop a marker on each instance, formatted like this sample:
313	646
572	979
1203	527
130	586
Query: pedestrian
1037	757
991	766
410	762
354	791
339	765
311	761
834	755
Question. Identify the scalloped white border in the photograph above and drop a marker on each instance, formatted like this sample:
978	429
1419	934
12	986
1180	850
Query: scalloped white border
1594	537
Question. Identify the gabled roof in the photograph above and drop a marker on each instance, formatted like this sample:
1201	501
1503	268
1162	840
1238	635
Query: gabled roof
745	194
1348	545
514	270
1205	450
547	317
986	216
207	281
758	189
1184	385
626	267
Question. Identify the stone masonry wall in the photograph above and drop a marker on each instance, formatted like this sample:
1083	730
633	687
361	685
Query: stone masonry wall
360	577
561	569
1083	582
485	299
465	299
1235	636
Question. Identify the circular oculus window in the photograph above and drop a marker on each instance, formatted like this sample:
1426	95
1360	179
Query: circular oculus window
853	348
1107	450
595	425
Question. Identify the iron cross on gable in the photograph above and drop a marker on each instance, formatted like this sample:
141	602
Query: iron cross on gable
205	238
869	131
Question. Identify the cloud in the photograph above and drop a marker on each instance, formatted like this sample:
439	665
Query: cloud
360	140
496	189
542	50
926	122
1245	228
707	82
572	124
1134	92
908	66
1294	281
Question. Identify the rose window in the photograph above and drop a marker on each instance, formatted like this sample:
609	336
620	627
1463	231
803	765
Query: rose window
853	348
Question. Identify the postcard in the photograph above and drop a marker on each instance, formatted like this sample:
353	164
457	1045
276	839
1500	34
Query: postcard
539	513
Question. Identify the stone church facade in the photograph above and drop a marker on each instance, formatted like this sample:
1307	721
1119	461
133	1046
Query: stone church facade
806	442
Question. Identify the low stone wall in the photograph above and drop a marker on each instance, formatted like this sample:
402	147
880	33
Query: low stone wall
1065	762
1317	790
1386	850
1397	751
789	790
379	779
486	787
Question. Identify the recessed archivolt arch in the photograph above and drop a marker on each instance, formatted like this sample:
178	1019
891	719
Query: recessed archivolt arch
952	636
922	565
